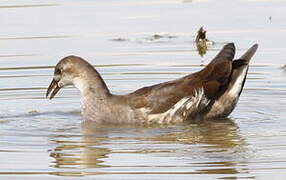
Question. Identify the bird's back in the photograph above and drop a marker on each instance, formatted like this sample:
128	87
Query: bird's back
187	95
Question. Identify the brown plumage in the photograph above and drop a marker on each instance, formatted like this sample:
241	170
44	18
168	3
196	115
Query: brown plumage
209	93
213	78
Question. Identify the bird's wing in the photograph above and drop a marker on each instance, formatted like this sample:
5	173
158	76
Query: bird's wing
161	97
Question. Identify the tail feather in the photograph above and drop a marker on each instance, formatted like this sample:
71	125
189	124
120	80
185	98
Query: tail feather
239	71
227	53
225	104
249	53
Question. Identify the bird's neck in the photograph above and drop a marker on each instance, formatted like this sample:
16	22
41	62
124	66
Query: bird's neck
91	85
94	96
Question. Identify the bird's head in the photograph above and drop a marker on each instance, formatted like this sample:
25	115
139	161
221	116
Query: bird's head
66	72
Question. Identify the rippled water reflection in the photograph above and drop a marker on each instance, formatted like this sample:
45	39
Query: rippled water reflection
135	44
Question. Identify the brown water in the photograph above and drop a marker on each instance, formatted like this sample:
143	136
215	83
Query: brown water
42	139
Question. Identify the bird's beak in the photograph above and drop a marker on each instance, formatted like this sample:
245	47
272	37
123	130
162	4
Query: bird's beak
53	89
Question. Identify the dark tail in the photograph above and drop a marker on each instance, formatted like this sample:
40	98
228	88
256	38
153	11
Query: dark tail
249	53
227	53
225	104
240	69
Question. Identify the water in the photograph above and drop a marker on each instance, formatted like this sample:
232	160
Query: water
42	139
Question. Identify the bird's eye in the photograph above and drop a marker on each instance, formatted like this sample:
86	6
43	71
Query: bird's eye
58	71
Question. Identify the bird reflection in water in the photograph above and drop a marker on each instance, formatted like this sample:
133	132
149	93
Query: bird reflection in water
80	152
213	143
210	146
